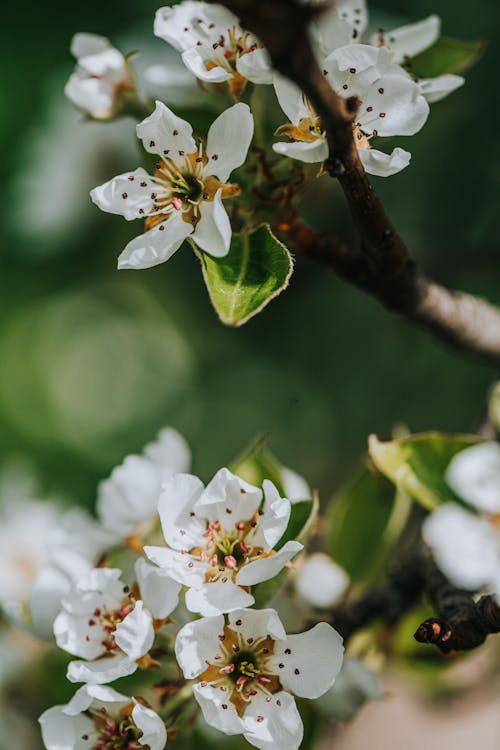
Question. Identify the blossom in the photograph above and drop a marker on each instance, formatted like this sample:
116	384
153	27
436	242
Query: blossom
247	670
466	544
221	539
346	22
127	502
320	581
184	196
214	47
102	77
390	103
112	625
99	717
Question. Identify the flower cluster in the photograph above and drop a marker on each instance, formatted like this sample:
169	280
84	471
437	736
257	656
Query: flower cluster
183	198
220	541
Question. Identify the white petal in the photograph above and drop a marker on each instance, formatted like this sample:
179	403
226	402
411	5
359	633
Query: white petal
228	499
50	586
474	474
216	597
255	66
255	623
189	22
154	733
97	696
170	452
399	100
409	40
310	153
331	32
275	517
159	592
128	195
93	95
314	663
321	582
435	89
135	633
181	529
84	44
291	99
182	568
262	570
213	231
62	732
197	643
164	133
73	634
195	61
273	723
155	246
229	139
384	165
101	671
211	701
295	486
465	546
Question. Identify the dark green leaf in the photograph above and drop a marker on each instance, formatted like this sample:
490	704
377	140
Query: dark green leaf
445	56
256	269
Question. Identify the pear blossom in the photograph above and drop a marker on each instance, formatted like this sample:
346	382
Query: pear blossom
221	539
320	581
102	79
111	625
247	670
214	47
127	502
390	103
345	23
184	196
99	717
466	543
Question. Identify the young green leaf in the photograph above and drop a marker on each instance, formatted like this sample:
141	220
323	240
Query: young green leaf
445	56
366	519
417	464
256	269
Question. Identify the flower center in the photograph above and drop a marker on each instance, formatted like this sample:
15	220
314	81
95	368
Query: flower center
116	733
109	619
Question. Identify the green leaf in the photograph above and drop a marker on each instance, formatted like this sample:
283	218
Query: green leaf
257	463
366	519
300	525
445	56
417	464
256	269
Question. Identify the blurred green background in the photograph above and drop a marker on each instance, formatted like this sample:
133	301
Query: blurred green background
94	362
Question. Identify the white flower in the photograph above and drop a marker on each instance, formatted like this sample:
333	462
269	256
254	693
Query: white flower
127	502
99	717
320	581
102	77
221	539
247	670
465	544
184	196
112	625
213	45
390	104
346	22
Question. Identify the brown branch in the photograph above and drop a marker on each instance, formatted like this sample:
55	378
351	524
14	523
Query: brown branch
382	266
462	624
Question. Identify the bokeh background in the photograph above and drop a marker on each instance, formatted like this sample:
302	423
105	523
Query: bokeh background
93	362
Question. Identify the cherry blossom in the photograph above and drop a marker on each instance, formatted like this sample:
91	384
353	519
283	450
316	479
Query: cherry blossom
99	717
221	539
112	625
247	670
214	47
184	196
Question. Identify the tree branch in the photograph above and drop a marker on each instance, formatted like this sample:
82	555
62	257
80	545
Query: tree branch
462	624
382	266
